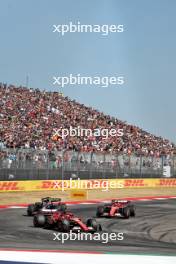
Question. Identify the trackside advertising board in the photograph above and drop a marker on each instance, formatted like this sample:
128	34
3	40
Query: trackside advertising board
40	185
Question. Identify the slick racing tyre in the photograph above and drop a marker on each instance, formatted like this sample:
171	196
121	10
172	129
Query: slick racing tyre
100	211
38	206
126	212
92	223
64	226
132	211
39	220
30	209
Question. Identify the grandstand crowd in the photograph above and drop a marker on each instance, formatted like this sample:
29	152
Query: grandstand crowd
28	118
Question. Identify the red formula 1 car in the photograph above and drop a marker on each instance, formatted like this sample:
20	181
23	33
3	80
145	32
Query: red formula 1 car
47	205
65	221
122	208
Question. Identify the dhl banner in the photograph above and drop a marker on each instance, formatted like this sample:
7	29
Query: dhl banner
102	184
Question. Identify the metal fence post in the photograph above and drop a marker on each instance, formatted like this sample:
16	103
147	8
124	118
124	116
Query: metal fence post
162	164
78	165
129	165
47	165
91	158
173	166
140	165
116	162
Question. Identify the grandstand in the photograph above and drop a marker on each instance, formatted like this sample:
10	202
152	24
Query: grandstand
28	149
28	118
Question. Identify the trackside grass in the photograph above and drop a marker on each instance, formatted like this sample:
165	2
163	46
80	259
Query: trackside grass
29	197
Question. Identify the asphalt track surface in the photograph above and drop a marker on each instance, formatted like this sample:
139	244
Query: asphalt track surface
152	231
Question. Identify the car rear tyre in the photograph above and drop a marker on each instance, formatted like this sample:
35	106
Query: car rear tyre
64	226
30	209
132	211
92	223
126	212
39	220
38	206
100	211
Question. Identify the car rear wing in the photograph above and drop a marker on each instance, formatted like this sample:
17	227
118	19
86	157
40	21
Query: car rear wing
49	199
120	201
55	200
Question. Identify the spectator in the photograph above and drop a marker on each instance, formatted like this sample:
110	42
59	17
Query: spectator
28	118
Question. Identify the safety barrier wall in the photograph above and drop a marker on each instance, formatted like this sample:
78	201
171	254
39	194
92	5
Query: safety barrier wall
10	186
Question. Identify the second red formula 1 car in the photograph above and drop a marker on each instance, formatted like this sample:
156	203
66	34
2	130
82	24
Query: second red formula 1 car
65	221
122	208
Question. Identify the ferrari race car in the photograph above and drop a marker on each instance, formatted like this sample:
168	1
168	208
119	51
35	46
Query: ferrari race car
122	208
47	205
65	221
